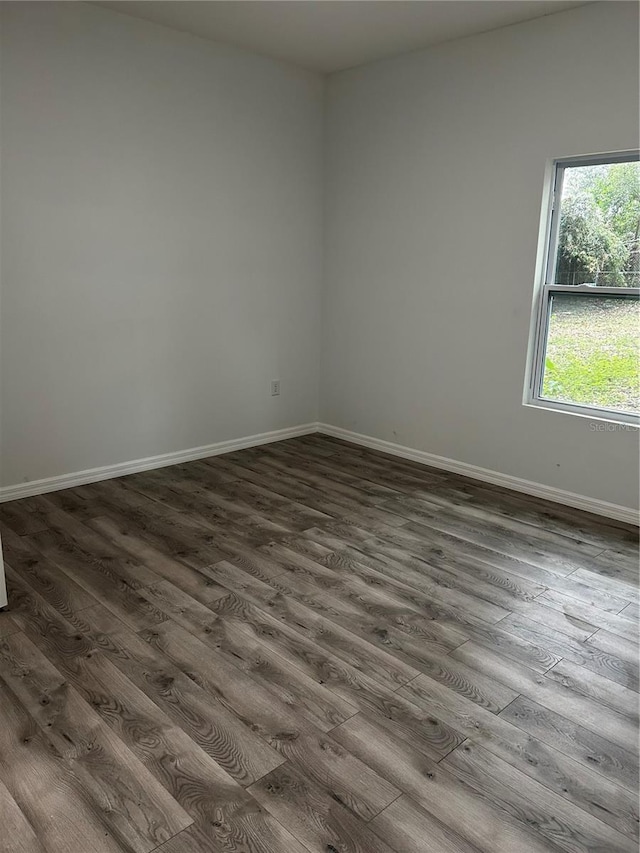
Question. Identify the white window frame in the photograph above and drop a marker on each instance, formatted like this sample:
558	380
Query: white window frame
546	289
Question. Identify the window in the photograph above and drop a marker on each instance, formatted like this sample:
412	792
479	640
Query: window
586	356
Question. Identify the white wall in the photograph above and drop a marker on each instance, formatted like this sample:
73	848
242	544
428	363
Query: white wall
161	240
435	166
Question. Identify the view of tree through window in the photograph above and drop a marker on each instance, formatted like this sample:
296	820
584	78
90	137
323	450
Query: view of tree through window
599	238
592	336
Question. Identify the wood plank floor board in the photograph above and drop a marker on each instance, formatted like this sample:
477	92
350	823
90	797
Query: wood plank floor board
336	505
631	611
561	822
225	632
458	510
423	730
183	505
554	620
423	539
588	683
529	546
255	499
255	561
250	829
381	664
192	499
173	533
436	790
592	654
421	654
207	471
320	757
601	719
569	777
95	565
43	575
299	565
363	508
138	495
47	791
482	583
268	501
49	581
477	576
612	644
361	609
568	538
579	583
79	502
78	545
430	589
315	813
619	565
553	517
575	741
197	582
7	624
199	784
221	734
101	578
378	664
224	813
543	513
618	557
60	637
23	516
313	646
400	542
388	471
18	836
368	470
327	465
135	807
351	684
502	589
622	624
244	468
414	830
605	586
380	482
443	615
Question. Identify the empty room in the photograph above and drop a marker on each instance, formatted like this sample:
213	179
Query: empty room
319	421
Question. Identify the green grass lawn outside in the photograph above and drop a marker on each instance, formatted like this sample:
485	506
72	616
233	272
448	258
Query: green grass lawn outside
593	352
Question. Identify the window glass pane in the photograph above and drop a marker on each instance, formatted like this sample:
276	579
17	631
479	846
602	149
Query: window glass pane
592	356
599	232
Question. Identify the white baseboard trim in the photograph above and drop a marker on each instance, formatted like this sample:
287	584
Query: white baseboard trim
528	487
94	475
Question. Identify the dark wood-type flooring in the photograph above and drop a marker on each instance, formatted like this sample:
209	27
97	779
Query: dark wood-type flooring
309	646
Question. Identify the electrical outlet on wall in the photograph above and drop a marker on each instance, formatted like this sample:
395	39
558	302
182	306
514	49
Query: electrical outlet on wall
275	388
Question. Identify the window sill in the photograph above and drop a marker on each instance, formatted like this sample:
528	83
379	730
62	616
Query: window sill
602	421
